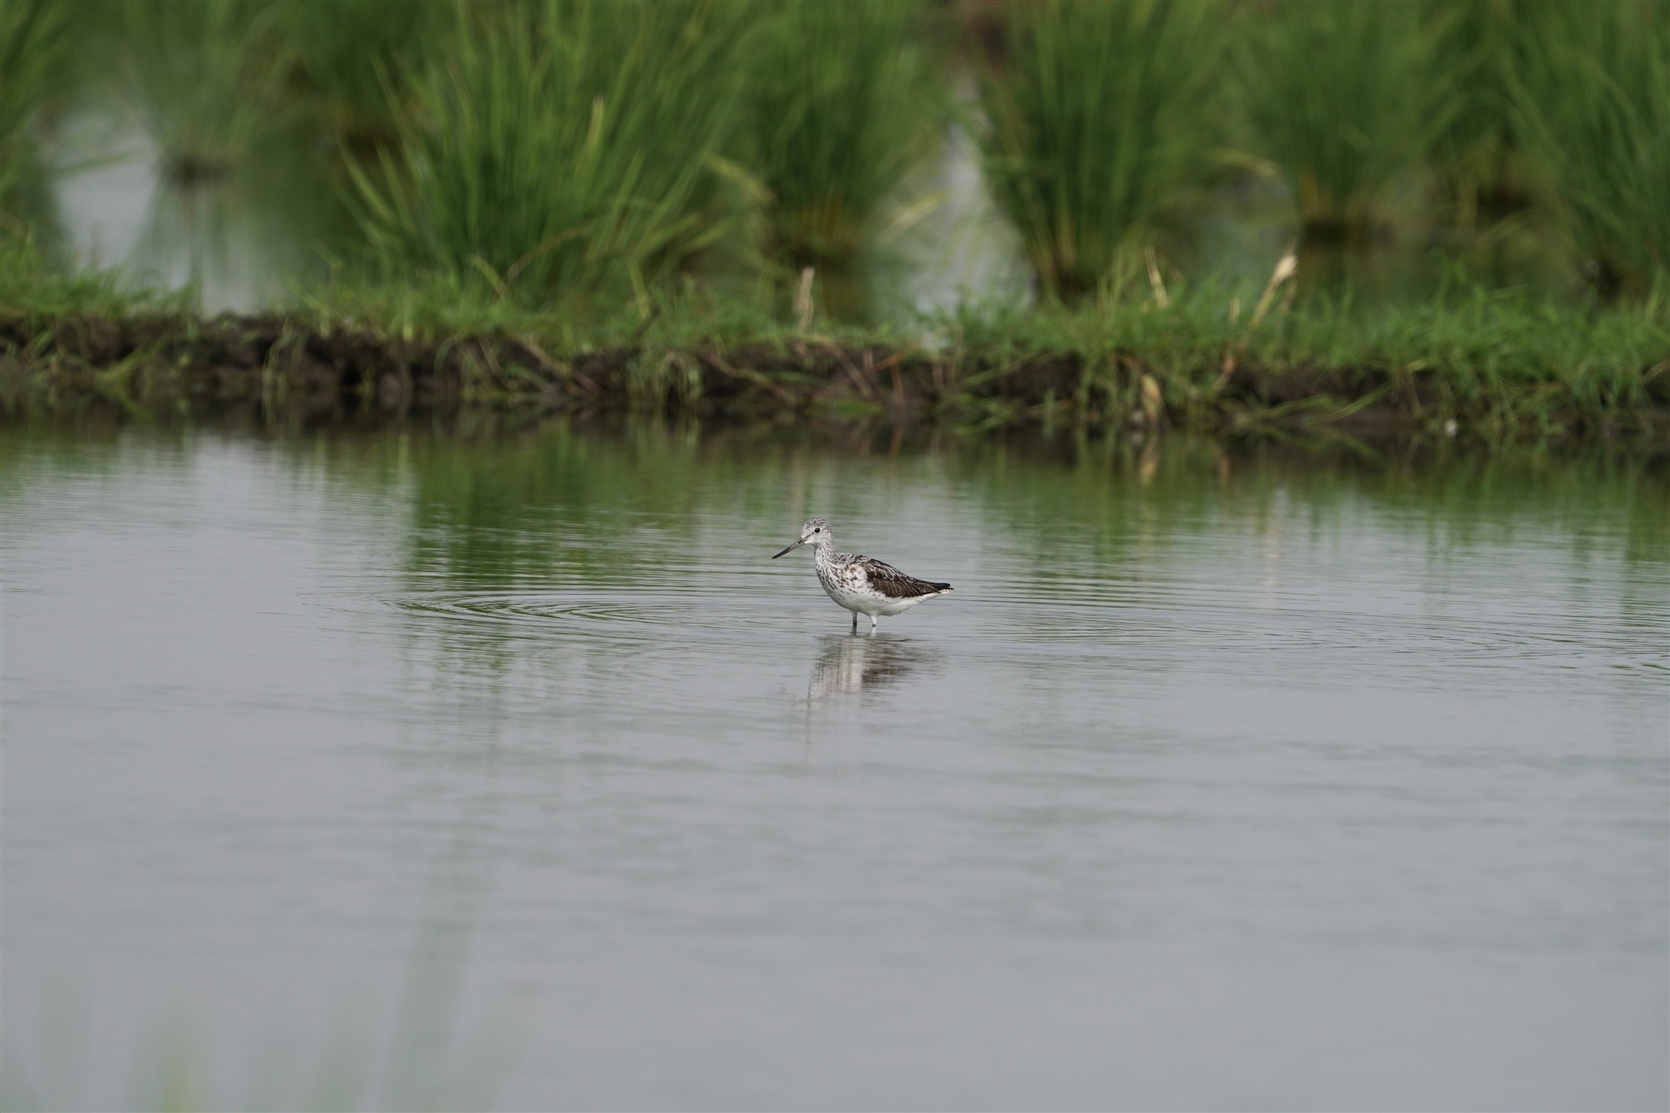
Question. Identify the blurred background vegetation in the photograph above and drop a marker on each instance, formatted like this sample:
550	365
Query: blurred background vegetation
573	152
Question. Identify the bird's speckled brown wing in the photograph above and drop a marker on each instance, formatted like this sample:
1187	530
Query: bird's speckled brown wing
894	584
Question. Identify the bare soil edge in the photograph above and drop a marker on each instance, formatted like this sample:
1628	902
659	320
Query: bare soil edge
174	363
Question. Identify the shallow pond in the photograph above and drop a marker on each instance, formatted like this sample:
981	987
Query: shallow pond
434	766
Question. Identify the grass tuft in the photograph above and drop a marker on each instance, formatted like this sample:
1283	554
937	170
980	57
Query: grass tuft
205	76
1481	162
560	148
840	99
33	45
1594	96
346	52
1098	123
1348	98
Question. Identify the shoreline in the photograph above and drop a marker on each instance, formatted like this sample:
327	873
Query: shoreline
155	362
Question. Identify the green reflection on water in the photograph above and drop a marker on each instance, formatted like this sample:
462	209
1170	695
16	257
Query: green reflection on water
574	503
501	510
508	480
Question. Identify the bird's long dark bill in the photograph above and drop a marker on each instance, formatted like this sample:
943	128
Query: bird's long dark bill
791	548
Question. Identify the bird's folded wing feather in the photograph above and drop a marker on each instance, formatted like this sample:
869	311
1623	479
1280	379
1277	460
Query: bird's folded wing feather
895	584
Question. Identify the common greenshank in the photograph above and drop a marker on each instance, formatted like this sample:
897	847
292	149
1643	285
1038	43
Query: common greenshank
858	583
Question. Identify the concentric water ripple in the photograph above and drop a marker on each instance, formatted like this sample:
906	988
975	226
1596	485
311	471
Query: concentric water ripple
1151	629
645	616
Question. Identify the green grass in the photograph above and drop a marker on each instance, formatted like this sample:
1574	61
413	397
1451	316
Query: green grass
205	77
545	153
840	99
554	150
348	51
1099	122
33	45
1505	362
1348	99
1503	365
561	148
1479	158
1594	100
32	286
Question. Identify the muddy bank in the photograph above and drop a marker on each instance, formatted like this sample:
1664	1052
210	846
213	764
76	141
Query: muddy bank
174	363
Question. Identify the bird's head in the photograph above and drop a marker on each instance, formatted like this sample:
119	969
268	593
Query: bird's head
815	532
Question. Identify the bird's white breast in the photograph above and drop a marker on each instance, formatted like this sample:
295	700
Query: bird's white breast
849	586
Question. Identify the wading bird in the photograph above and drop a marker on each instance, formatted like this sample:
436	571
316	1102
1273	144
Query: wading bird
858	583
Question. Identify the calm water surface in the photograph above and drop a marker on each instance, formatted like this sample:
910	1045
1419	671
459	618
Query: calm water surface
422	767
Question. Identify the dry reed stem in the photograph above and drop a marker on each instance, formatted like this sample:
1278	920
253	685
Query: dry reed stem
1156	281
1286	267
804	307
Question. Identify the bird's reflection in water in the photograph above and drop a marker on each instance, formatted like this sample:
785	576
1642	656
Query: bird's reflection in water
849	665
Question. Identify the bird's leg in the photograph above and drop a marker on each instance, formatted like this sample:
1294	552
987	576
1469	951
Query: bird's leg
855	622
872	622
